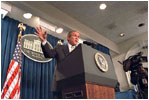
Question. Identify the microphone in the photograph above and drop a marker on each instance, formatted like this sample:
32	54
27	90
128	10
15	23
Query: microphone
93	45
87	43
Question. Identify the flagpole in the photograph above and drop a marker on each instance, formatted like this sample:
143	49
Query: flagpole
21	28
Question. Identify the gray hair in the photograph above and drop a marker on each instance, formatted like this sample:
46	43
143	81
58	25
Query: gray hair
70	33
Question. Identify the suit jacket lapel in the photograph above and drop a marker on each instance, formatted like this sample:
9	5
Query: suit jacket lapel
66	50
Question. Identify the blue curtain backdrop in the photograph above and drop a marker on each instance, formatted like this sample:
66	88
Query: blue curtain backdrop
36	78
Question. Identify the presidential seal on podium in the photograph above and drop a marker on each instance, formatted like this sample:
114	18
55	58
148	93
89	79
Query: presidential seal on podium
101	62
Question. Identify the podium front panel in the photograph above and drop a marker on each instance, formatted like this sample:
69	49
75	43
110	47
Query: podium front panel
80	66
92	71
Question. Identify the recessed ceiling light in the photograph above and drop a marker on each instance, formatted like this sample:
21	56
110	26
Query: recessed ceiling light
122	34
27	15
103	6
141	24
59	30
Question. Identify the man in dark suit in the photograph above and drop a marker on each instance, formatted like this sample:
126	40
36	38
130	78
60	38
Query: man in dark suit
60	51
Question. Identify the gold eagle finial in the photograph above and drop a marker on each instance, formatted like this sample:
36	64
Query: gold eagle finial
60	42
21	27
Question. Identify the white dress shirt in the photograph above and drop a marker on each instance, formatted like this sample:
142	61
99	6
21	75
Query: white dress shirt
71	48
43	43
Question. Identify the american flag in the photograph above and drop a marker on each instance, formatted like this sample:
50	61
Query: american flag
11	87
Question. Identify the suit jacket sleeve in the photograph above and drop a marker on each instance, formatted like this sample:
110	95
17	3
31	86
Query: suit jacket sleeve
48	52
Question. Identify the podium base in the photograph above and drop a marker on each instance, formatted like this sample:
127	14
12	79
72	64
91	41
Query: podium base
88	91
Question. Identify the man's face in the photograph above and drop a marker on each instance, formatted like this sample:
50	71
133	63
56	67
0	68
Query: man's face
74	38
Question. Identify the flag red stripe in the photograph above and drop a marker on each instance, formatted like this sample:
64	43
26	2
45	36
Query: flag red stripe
10	66
16	89
10	81
19	80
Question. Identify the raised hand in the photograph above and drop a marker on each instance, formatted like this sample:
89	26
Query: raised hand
42	35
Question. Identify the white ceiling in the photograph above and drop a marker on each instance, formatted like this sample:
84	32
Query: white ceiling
119	16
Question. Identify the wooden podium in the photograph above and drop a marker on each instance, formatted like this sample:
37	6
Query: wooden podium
78	76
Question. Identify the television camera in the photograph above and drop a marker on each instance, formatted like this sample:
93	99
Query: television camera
139	75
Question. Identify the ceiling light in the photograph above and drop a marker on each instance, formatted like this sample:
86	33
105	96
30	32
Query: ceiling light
103	6
59	30
141	24
27	15
122	34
